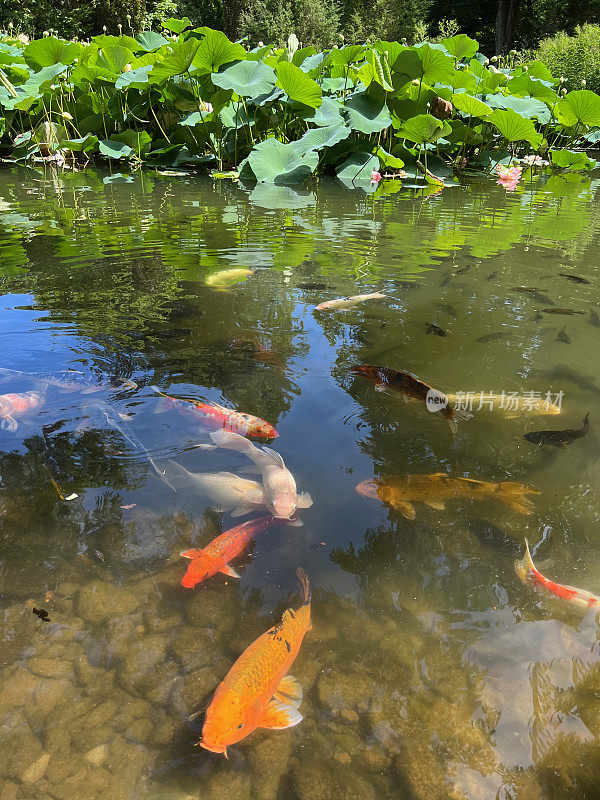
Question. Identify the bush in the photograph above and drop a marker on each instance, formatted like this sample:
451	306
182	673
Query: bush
315	22
575	57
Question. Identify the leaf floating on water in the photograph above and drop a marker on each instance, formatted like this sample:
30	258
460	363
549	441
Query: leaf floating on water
72	496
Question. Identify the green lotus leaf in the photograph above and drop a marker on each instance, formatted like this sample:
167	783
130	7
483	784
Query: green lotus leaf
84	144
436	66
537	69
357	168
366	114
335	85
150	40
105	40
490	81
303	53
526	85
527	107
388	160
48	51
175	63
138	141
40	81
115	150
319	138
272	161
246	78
114	59
515	128
216	50
328	113
465	80
177	25
343	56
423	128
569	159
235	116
461	46
297	85
584	104
136	78
470	105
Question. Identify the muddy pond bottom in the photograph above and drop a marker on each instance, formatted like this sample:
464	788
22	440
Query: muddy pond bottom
432	671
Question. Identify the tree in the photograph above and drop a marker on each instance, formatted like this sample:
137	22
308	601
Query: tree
506	20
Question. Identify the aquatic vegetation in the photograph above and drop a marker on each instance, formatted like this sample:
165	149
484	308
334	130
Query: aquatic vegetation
280	115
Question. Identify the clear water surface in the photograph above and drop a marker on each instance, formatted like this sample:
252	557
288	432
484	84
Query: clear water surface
431	670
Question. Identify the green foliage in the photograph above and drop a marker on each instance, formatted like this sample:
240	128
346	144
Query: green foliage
282	114
575	57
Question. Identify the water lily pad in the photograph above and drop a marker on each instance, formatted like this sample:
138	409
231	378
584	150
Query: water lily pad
272	161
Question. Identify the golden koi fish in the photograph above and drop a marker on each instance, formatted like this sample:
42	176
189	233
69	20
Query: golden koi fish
401	491
577	600
343	303
257	692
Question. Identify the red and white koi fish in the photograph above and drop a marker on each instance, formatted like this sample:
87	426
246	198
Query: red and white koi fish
215	416
16	405
215	557
578	601
257	692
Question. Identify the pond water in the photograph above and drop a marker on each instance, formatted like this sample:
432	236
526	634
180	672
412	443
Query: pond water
431	670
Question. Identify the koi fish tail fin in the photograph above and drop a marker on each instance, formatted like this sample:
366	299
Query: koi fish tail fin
304	585
513	495
455	415
525	565
230	440
164	404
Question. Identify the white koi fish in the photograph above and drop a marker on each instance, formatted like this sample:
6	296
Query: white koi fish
349	302
228	492
281	496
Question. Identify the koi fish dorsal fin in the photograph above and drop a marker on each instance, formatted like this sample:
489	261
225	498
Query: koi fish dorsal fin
289	692
279	716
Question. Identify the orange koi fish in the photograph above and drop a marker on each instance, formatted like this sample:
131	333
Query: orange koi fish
15	405
257	692
577	600
214	416
215	557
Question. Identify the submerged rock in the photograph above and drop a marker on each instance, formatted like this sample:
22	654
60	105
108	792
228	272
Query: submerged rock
100	601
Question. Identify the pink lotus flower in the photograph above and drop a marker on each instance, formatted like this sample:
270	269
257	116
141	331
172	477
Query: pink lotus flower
375	176
508	177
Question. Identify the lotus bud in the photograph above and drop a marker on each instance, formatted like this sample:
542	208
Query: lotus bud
10	25
525	68
494	59
415	82
486	63
562	79
45	33
104	28
76	61
120	27
513	53
66	115
403	40
341	37
563	92
584	82
261	44
128	17
127	68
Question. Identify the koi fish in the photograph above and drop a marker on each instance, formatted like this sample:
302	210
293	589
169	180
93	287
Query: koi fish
431	327
215	557
509	406
349	302
491	337
561	311
17	405
228	492
68	380
214	416
227	277
281	497
559	438
563	336
409	388
574	278
577	600
401	491
257	692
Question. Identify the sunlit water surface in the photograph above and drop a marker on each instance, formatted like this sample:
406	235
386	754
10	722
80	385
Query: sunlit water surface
431	670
